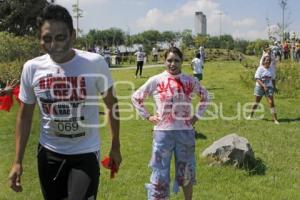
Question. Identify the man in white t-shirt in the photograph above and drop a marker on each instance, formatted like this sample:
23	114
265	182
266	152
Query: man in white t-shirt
140	56
155	54
197	66
65	83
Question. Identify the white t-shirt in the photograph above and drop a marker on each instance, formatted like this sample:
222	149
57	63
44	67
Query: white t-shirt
154	51
68	98
173	100
266	75
197	66
140	56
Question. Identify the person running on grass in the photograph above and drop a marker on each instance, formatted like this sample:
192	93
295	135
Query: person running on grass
64	83
197	67
173	123
265	86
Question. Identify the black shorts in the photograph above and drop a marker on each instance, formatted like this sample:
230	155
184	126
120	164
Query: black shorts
56	170
139	63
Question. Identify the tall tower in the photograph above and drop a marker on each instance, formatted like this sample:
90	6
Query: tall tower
200	23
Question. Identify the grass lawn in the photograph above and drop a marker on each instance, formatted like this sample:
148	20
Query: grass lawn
277	146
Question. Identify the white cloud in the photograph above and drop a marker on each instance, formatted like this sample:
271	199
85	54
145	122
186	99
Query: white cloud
249	35
183	18
247	22
176	19
150	20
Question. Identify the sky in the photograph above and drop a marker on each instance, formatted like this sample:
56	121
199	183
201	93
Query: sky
243	19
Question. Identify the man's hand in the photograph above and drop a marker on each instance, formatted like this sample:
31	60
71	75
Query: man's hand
15	177
9	87
115	155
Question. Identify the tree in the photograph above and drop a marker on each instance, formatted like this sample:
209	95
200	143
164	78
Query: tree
107	37
213	42
187	38
117	36
227	42
169	36
19	16
200	40
241	45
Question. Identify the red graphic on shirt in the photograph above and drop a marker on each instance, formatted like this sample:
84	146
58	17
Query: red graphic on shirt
61	89
171	91
65	88
179	87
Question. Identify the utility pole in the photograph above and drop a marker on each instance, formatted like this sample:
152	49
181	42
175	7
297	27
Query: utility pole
283	4
77	14
220	13
269	29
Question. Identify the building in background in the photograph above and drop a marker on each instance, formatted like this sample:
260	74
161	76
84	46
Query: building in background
200	23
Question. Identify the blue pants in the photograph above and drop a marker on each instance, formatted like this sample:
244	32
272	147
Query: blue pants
165	143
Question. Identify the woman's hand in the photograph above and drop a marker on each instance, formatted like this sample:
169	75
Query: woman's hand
154	119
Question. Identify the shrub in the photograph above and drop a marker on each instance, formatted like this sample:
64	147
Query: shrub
17	48
11	70
288	79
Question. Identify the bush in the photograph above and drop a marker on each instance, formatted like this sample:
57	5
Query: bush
17	48
288	79
11	70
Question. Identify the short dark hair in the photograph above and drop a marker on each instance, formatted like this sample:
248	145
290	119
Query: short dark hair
174	50
198	55
57	13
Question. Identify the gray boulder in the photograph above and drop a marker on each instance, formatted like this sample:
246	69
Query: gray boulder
231	149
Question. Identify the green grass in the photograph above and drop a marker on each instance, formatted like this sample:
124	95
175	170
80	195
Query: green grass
276	146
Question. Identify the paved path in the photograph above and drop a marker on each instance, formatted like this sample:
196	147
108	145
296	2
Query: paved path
144	67
134	67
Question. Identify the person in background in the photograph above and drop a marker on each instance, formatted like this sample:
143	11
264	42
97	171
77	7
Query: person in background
265	86
65	84
241	57
118	56
173	123
202	53
107	54
197	67
140	56
155	54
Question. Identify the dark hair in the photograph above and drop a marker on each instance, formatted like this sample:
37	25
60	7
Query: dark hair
265	57
174	50
198	55
57	13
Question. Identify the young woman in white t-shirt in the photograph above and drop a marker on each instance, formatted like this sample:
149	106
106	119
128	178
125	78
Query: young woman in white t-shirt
173	122
265	86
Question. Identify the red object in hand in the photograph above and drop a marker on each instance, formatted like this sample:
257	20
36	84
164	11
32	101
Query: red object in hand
16	92
6	102
108	163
